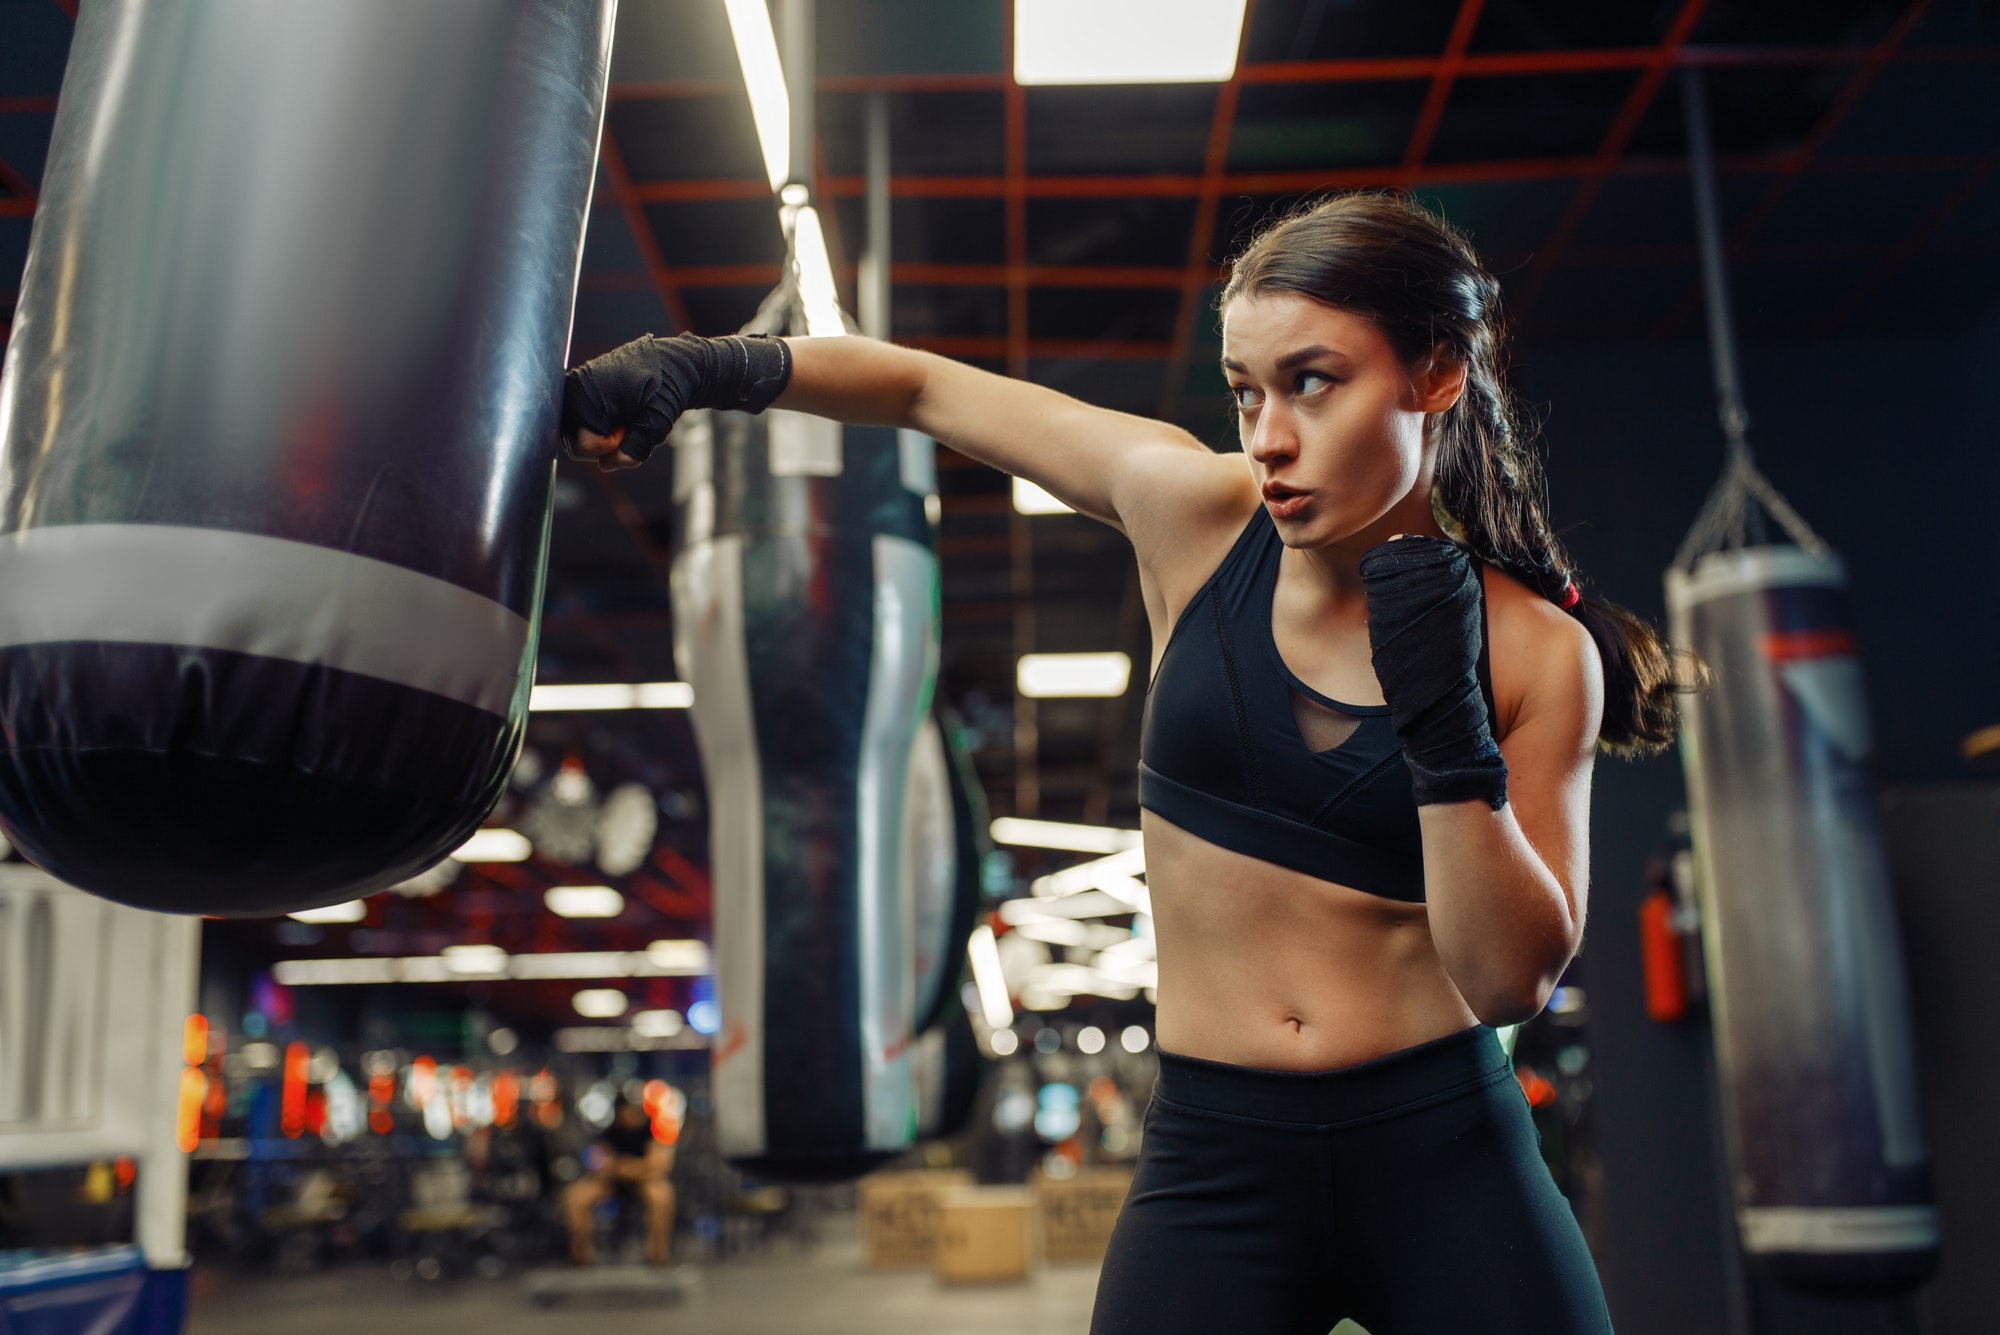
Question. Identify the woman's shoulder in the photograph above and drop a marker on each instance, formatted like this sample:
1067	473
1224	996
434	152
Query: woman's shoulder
1541	655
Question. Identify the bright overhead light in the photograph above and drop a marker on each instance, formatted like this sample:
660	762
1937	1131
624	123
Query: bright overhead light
1032	499
1062	835
1116	875
658	1024
686	958
816	290
583	901
1089	904
764	77
1125	41
1135	1038
1090	1040
352	911
1073	676
600	1003
494	845
612	695
663	959
983	952
474	959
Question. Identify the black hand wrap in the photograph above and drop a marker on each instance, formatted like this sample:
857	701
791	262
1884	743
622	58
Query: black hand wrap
1423	625
648	383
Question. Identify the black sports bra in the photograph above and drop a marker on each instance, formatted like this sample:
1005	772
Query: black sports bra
1224	751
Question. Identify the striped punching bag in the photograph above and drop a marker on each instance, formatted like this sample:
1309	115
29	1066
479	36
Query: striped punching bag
276	429
1811	1018
805	593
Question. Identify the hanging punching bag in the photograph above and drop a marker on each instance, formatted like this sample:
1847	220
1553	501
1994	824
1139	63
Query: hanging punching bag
805	594
1811	1017
275	438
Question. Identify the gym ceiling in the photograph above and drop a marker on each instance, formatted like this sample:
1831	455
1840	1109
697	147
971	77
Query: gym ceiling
1073	235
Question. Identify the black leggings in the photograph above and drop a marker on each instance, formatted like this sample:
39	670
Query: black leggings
1406	1193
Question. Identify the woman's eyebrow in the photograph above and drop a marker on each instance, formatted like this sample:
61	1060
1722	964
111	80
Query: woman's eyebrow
1292	359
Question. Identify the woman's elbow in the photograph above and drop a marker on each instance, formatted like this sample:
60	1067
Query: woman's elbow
1519	995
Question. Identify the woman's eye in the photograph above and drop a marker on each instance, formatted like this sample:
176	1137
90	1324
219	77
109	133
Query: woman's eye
1244	396
1312	381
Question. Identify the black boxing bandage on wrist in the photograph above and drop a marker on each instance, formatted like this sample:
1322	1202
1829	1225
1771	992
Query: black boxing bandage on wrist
645	385
1424	631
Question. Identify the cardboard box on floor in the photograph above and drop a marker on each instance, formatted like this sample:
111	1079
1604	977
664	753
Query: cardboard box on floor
987	1234
900	1215
1078	1212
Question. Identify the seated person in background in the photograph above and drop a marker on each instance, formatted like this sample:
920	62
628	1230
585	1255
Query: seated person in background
626	1152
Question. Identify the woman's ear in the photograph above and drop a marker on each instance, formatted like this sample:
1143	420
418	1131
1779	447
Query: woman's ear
1440	383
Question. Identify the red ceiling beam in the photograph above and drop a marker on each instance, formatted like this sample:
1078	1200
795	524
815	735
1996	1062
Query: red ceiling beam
1774	194
43	102
634	213
1448	67
20	187
1609	151
1200	268
1909	246
1293	181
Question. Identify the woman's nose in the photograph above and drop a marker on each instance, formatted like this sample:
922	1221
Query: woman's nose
1274	440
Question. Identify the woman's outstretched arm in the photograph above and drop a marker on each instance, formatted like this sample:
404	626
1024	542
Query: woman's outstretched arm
1087	456
1102	463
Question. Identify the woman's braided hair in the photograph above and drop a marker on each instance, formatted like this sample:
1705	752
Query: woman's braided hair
1391	259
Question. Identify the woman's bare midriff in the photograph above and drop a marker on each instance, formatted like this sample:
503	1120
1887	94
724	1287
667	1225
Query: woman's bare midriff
1267	967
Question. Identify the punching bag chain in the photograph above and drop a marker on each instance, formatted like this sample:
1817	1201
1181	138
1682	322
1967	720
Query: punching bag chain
1734	512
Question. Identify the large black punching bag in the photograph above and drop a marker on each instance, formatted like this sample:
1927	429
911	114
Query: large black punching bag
275	438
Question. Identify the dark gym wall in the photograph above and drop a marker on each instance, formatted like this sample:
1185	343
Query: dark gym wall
1886	446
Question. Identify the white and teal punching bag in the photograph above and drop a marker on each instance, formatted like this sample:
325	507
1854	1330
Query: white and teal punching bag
805	593
276	438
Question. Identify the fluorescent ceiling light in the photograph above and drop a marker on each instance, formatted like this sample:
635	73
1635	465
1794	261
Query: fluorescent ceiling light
583	901
816	290
1111	873
686	958
1125	41
612	695
600	1003
352	911
494	845
474	959
658	1024
1073	676
679	959
770	107
1060	834
1089	904
1030	499
983	952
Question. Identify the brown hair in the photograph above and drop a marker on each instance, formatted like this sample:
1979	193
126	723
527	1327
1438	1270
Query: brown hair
1389	258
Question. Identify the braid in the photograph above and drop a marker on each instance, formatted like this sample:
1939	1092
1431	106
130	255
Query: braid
1490	486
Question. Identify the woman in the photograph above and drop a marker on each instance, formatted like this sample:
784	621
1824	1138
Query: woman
1366	835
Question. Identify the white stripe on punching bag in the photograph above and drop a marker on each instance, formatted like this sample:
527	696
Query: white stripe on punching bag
207	588
709	650
901	668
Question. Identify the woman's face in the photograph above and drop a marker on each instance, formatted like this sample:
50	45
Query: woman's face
1331	419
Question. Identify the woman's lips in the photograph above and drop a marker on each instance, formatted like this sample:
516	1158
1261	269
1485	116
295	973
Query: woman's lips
1282	501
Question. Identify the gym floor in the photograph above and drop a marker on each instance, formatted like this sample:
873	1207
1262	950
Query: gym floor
826	1291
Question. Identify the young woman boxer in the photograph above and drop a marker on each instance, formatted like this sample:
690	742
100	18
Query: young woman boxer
1365	771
